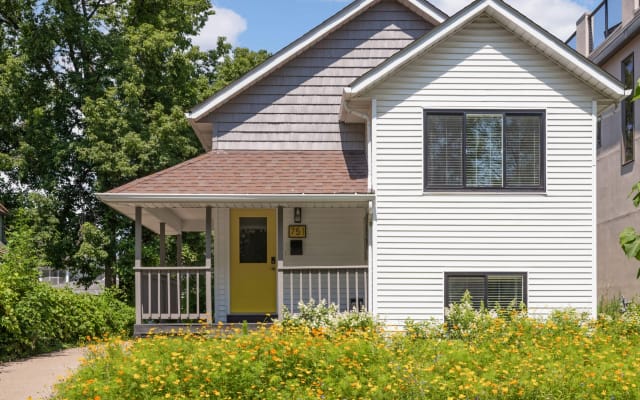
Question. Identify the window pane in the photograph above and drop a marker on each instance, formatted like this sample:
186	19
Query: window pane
598	27
444	150
253	240
503	289
522	134
457	285
484	150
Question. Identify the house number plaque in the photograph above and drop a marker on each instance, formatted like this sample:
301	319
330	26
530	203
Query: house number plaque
297	231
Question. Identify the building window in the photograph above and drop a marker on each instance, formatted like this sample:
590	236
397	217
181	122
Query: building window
627	77
484	150
488	289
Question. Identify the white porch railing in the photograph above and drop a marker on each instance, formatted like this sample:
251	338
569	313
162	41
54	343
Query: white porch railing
346	286
173	294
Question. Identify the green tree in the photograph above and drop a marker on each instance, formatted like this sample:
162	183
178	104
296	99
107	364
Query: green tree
629	237
93	95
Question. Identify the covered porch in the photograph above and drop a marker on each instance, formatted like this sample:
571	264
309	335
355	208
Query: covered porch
263	251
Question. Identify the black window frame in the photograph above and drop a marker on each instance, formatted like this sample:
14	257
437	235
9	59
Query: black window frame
623	114
505	188
485	275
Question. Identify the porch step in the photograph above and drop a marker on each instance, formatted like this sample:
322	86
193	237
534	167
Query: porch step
250	318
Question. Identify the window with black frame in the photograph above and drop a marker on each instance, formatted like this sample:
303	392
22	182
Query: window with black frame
628	116
484	150
490	290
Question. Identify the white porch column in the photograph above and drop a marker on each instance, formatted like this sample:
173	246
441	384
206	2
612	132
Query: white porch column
208	264
280	272
138	264
163	249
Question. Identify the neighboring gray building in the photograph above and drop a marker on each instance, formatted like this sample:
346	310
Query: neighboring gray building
609	36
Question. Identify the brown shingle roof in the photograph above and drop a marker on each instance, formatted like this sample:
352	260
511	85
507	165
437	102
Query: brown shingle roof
259	172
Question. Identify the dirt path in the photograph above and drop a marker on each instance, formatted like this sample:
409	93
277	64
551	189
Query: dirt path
36	376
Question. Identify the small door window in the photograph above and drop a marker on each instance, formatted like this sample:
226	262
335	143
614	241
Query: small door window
253	239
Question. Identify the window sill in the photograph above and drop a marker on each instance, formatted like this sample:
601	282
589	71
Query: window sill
541	193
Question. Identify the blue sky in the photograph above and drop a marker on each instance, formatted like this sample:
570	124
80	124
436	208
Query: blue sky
272	24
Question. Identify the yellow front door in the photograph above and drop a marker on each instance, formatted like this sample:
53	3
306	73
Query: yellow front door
253	261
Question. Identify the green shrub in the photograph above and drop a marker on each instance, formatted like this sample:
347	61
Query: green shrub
47	318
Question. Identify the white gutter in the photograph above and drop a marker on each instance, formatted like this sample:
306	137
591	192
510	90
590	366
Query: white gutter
236	198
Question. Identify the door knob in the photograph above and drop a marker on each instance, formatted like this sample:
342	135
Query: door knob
273	261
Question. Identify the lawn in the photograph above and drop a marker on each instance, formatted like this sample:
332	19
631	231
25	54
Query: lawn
475	356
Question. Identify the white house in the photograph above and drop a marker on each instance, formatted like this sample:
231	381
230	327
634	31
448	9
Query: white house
391	158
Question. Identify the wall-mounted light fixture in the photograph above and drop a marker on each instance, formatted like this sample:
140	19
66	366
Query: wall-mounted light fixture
297	215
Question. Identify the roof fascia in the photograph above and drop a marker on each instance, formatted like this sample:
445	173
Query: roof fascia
295	48
113	198
456	22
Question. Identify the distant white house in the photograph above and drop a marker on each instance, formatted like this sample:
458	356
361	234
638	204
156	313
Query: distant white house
391	158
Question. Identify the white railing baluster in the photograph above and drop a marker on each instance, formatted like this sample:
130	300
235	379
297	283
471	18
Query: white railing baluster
338	288
198	293
357	293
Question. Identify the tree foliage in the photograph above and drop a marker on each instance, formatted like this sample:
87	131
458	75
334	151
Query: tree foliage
630	238
93	95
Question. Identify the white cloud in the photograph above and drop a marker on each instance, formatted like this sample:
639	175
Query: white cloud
224	22
557	16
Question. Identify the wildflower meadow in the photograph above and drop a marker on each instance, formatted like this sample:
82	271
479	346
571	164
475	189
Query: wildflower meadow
324	355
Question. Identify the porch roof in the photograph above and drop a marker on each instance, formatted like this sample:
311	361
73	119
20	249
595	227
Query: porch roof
240	178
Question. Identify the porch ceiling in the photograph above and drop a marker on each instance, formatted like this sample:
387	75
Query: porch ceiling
186	213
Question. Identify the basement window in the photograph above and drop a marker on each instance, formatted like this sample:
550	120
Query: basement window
488	289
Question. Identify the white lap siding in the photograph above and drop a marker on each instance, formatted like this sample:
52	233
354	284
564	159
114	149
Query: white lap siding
422	235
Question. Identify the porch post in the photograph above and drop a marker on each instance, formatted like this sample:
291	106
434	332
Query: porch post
208	264
280	279
138	265
163	250
179	249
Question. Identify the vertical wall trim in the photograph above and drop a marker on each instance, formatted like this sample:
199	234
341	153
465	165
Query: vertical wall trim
372	144
280	274
163	244
138	264
208	264
594	207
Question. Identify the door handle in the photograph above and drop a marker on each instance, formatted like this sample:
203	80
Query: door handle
273	261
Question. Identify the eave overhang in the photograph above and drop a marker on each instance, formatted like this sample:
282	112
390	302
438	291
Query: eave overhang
423	8
609	88
167	208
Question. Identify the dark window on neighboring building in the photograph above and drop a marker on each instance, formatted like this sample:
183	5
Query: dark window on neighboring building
604	19
599	132
489	289
484	150
627	77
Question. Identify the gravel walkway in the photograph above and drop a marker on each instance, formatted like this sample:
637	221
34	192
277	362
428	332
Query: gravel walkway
36	376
